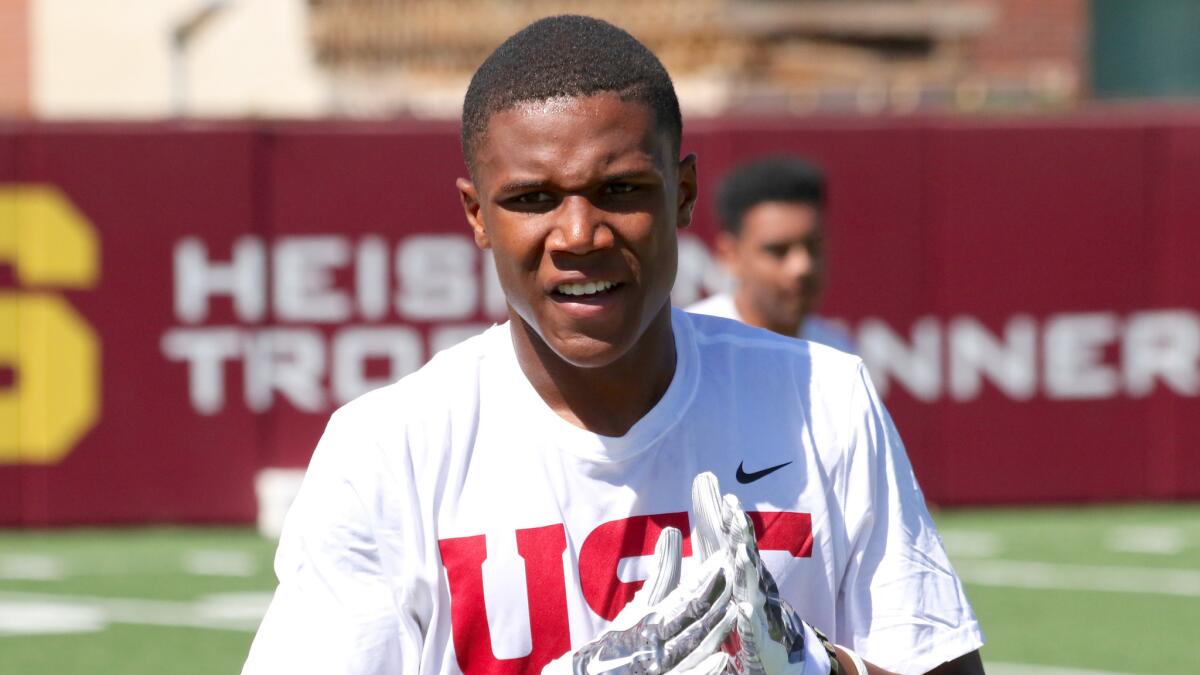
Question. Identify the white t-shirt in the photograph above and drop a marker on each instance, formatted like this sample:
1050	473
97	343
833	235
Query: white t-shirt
452	522
814	328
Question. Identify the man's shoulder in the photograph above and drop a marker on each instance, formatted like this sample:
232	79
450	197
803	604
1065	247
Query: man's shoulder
828	332
740	345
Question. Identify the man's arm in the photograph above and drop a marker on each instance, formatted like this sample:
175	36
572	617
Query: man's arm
898	567
967	664
334	610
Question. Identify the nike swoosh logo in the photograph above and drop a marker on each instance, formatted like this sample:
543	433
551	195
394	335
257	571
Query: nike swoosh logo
597	666
747	478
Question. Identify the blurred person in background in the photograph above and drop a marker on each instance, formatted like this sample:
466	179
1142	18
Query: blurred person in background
772	242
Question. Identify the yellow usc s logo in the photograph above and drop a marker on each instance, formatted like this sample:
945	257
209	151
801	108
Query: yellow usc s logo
51	350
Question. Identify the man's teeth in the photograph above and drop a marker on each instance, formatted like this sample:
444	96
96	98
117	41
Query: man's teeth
590	288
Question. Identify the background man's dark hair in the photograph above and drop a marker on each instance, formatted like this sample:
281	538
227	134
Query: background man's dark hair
779	178
567	56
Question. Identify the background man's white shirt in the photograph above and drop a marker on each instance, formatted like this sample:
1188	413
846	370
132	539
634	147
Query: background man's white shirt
453	522
814	328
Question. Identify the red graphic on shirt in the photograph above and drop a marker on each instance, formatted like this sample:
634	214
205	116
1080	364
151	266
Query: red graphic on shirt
542	549
604	548
606	594
783	531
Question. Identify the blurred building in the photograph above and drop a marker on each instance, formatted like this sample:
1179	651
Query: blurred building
371	58
122	59
731	55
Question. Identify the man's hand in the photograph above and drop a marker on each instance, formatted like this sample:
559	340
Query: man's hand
668	627
769	638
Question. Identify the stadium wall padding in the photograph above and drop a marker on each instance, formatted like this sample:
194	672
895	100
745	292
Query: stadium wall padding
184	304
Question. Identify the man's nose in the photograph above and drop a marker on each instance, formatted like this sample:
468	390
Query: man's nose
799	262
581	227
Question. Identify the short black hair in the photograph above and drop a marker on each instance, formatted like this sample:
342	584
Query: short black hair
567	56
777	178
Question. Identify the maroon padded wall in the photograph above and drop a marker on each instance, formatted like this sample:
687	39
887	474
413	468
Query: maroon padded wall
252	278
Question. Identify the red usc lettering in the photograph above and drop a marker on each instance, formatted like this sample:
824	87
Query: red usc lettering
605	593
783	531
604	548
542	549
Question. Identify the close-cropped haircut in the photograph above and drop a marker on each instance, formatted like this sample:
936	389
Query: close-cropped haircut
563	56
778	178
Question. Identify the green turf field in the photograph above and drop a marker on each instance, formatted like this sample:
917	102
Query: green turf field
1059	592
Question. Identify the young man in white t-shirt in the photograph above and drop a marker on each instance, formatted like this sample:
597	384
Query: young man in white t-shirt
494	512
772	242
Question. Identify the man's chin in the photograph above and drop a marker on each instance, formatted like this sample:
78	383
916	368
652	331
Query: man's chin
791	312
591	342
586	351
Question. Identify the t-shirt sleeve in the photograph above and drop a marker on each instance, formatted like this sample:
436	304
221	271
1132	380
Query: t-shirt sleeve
900	603
333	611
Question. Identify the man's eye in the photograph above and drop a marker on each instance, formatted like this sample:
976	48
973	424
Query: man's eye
778	251
533	198
620	188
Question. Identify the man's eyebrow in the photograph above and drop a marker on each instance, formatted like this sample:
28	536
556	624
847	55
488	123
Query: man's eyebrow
626	175
516	186
521	186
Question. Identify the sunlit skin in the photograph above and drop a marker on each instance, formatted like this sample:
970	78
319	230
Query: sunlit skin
778	264
577	190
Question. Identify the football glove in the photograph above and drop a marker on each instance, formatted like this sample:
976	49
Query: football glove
769	638
668	626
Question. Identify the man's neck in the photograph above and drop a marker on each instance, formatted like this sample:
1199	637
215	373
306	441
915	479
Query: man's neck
607	400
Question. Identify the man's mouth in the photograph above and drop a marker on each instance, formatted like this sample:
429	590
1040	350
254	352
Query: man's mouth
585	289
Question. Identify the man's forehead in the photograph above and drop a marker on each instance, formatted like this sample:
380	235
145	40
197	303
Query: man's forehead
564	111
548	106
781	220
553	131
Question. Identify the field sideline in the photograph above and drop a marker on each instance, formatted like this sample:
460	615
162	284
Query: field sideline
1089	591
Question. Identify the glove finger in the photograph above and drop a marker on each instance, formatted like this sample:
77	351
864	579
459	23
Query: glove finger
713	664
735	524
701	639
752	632
746	579
665	571
706	503
627	661
689	605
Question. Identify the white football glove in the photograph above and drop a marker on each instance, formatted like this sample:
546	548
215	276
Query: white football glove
668	626
770	638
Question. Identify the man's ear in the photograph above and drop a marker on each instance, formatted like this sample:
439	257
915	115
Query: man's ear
469	197
688	190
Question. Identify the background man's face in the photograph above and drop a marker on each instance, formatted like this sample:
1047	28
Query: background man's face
579	199
778	262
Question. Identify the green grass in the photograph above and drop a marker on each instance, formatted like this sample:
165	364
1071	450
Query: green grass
140	564
126	650
1116	631
1150	632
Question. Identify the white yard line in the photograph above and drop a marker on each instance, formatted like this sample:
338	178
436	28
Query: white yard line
32	567
205	562
971	543
53	618
1029	574
1146	539
241	612
1001	668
